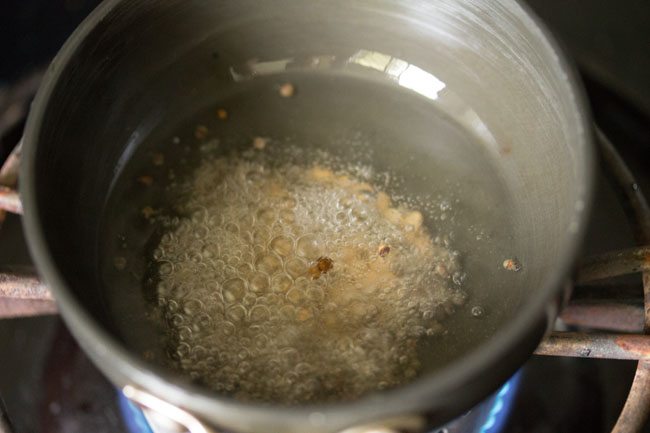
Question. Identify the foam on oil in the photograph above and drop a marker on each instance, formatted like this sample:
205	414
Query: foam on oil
247	314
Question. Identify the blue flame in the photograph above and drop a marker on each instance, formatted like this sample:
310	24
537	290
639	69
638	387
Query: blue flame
498	412
133	416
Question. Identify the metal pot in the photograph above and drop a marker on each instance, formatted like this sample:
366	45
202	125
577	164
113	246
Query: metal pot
134	65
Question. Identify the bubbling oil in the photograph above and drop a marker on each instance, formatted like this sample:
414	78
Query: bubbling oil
249	313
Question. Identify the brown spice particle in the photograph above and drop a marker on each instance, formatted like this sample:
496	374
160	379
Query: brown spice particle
119	263
512	265
287	90
322	266
383	250
260	143
441	270
303	314
147	212
222	114
201	132
145	180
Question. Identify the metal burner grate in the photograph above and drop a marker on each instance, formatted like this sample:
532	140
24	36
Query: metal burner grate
608	313
591	305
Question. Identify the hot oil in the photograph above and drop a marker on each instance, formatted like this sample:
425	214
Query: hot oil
216	231
253	306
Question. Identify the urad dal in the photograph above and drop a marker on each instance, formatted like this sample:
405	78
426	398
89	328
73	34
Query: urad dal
297	284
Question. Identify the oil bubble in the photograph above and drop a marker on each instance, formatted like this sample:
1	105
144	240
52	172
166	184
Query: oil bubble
478	311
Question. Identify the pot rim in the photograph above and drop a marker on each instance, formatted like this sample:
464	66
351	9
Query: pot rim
428	391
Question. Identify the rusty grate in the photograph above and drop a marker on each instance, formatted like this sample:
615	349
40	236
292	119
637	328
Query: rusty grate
608	313
605	308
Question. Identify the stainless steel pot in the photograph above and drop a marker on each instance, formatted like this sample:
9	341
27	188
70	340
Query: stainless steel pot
135	65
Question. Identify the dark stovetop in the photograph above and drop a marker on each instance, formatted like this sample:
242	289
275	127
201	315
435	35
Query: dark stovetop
50	386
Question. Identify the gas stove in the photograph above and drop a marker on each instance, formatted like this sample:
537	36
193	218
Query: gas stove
48	384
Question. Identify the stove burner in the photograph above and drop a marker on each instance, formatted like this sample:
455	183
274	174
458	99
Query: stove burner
133	416
500	409
490	416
